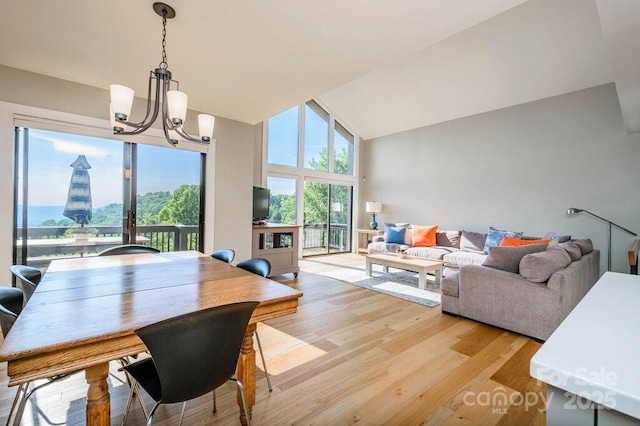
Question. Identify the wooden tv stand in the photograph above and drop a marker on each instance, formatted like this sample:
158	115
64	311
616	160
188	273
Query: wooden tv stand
279	245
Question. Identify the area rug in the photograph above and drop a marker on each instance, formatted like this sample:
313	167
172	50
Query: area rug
401	284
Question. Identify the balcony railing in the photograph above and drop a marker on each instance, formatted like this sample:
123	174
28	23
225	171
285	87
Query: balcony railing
46	243
316	235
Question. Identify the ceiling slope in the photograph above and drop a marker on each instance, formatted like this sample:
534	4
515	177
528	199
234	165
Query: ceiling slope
620	21
244	60
540	49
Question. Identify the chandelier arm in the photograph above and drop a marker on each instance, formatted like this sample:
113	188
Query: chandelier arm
151	77
186	136
144	124
173	142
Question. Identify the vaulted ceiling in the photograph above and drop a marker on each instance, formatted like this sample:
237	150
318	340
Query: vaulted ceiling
382	66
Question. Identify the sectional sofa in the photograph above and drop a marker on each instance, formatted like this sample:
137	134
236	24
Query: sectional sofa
455	248
528	288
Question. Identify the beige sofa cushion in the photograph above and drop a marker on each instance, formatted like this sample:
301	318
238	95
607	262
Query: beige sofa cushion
433	252
461	257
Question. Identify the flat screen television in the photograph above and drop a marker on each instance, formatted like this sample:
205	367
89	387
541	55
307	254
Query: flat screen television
261	198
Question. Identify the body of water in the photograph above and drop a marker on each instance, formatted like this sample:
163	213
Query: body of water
38	214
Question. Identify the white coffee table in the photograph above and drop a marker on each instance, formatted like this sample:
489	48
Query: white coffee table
413	264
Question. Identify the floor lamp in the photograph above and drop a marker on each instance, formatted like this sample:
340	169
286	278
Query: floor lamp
573	210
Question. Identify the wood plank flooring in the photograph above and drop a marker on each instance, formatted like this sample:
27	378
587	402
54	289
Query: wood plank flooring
348	356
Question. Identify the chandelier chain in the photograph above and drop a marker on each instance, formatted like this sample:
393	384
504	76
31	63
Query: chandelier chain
164	64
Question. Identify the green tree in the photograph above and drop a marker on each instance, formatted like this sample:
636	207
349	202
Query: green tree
109	215
282	209
316	193
183	208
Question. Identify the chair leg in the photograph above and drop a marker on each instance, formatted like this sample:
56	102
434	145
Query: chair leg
184	407
134	391
128	406
244	400
21	401
264	364
215	408
153	411
17	403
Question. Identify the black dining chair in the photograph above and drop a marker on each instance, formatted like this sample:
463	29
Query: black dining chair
192	354
11	302
260	267
226	255
128	249
28	279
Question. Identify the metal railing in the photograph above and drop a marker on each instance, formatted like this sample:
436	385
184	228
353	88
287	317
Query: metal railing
42	247
315	236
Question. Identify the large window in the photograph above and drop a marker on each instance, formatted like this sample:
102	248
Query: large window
314	189
282	208
316	137
343	150
283	138
77	195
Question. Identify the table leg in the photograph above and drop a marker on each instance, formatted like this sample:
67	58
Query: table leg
368	263
438	274
247	372
422	279
98	403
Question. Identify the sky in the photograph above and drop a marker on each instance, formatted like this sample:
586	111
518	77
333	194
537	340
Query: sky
51	154
283	128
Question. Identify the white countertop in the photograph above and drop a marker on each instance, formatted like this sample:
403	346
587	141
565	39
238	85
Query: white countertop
595	352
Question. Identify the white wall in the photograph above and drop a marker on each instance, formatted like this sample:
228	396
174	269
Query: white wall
518	168
229	162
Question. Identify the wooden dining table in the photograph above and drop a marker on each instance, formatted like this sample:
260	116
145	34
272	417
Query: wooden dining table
84	312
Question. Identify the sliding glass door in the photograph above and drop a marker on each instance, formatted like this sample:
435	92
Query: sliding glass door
327	218
169	210
77	195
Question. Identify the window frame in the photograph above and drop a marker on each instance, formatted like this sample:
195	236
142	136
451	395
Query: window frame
301	174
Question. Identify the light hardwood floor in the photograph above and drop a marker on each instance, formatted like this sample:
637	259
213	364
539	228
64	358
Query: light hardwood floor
348	356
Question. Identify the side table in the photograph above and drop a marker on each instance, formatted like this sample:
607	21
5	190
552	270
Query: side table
368	233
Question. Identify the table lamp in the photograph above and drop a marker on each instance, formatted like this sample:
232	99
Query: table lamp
373	207
573	210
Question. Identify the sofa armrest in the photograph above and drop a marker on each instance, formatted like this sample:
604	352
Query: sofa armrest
575	281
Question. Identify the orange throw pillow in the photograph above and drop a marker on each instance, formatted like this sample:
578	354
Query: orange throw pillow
510	242
424	236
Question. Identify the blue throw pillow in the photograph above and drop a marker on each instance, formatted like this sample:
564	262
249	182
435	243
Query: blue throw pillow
495	236
394	234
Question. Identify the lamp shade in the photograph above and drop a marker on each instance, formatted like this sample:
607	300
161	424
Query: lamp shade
573	210
206	123
121	99
177	105
373	207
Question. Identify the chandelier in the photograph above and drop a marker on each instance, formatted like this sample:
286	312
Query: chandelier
172	102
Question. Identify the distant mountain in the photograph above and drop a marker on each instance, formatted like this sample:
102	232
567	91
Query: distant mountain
149	205
38	214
